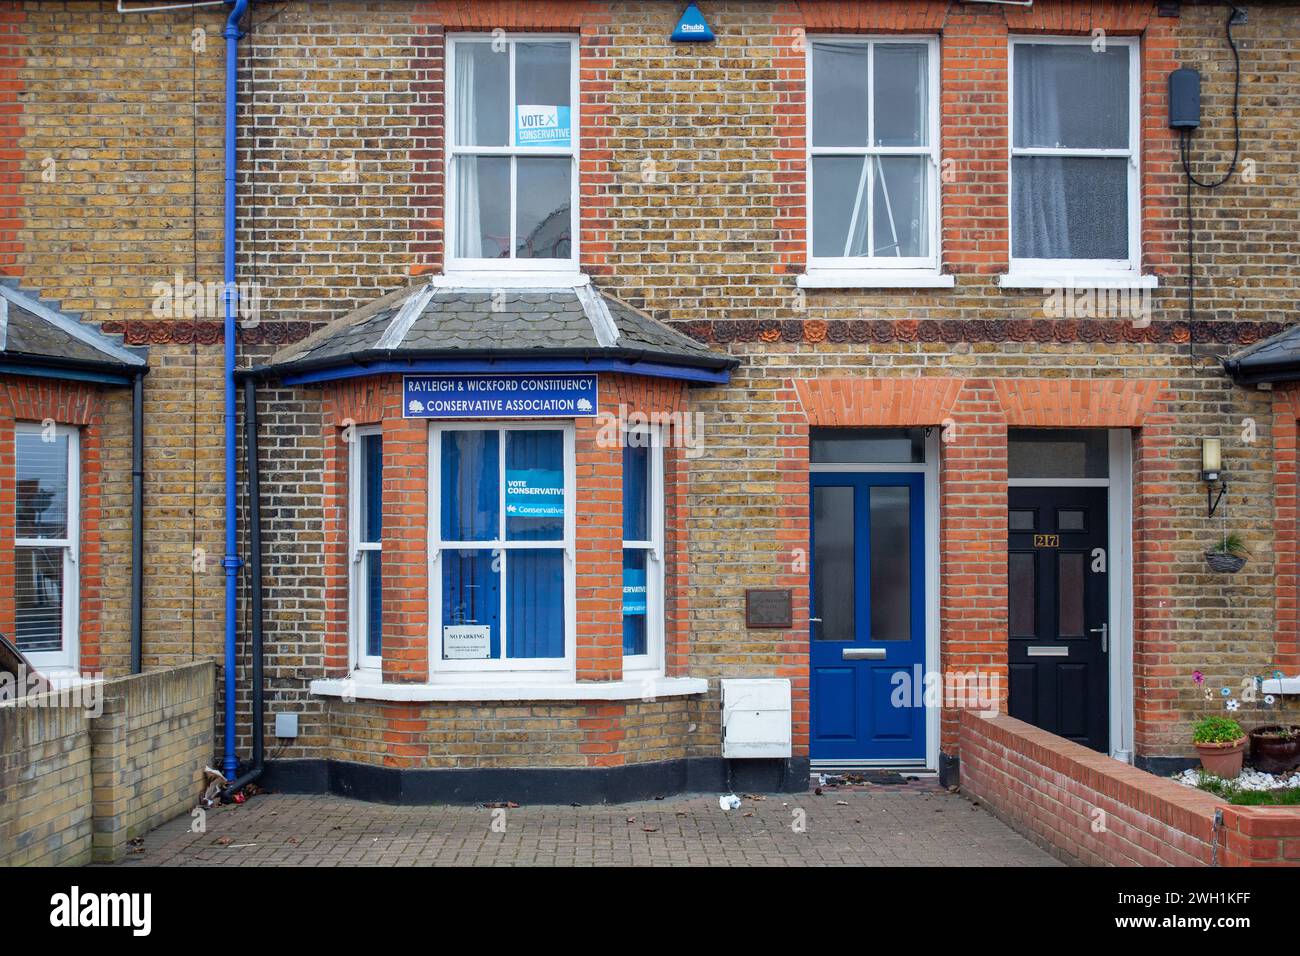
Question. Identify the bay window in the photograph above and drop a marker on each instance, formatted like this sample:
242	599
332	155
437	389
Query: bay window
643	535
45	545
365	535
873	154
512	173
501	547
1074	156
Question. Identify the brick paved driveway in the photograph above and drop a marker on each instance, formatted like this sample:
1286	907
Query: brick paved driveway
916	825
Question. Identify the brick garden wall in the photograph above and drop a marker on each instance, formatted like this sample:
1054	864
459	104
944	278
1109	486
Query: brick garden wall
340	192
1090	808
77	785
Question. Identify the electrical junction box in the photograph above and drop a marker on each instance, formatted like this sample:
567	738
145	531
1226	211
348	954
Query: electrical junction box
1184	99
286	725
756	718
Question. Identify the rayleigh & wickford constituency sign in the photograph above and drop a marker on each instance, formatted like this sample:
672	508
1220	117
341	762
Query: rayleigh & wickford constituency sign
500	396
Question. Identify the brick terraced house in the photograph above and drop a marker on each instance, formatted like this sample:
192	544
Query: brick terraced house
634	414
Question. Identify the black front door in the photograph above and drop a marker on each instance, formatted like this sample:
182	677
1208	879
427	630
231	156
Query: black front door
1057	566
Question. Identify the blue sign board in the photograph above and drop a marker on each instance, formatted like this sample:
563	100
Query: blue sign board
542	126
500	396
692	27
534	493
634	593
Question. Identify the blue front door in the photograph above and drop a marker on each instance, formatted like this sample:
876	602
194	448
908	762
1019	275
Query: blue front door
868	617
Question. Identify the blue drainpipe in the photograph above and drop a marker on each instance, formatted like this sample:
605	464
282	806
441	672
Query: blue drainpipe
231	561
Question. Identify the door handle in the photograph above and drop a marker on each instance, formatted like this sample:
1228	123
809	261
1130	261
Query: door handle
1104	631
862	654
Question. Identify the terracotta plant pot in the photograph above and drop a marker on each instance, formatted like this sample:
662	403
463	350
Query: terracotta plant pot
1273	754
1223	760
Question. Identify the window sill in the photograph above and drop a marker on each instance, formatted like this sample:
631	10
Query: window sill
521	689
1077	280
873	279
507	279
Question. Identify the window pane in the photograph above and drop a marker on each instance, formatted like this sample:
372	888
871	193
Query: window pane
1022	591
634	601
900	79
38	599
891	564
841	186
900	211
535	603
1022	519
470	485
839	91
543	220
1069	207
1057	453
534	485
833	566
636	492
372	621
1069	519
371	502
482	185
542	105
1069	567
481	97
471	606
42	499
879	445
1069	95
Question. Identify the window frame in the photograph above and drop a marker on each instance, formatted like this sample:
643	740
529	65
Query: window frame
920	265
651	663
358	595
68	657
464	264
503	668
1051	269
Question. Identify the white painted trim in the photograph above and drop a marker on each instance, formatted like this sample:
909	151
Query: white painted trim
931	151
861	466
480	279
874	279
1054	278
1058	482
650	688
453	671
1080	267
68	657
1120	545
358	597
511	264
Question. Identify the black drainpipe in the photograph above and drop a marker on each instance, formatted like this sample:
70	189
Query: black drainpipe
255	584
137	520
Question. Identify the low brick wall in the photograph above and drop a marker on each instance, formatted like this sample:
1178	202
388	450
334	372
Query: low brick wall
77	786
1089	808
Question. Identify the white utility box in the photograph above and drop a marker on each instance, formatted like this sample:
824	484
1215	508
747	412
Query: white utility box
1281	685
756	718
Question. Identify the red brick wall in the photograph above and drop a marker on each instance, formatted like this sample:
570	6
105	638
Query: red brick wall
64	403
1286	473
1093	809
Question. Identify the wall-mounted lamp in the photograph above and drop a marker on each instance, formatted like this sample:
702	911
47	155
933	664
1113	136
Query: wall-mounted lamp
1212	471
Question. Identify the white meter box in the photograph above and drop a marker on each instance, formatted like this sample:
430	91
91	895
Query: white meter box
756	718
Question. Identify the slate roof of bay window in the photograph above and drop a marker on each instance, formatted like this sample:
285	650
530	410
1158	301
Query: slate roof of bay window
36	331
1274	359
443	321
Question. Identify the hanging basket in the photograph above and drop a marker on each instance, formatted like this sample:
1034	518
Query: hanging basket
1223	562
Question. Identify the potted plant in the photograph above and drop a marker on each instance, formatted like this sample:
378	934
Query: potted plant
1276	748
1229	555
1221	743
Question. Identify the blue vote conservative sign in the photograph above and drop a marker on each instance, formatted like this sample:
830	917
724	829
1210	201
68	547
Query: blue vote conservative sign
500	396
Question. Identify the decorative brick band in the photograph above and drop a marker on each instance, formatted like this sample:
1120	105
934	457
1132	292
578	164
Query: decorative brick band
885	331
153	332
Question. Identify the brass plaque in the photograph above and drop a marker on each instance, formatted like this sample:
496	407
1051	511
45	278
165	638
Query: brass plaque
769	608
1047	541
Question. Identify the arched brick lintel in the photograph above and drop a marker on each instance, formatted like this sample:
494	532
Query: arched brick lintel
876	402
1077	403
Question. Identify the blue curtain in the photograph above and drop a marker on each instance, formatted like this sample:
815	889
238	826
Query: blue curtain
634	601
636	487
530	450
471	592
470	483
535	603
